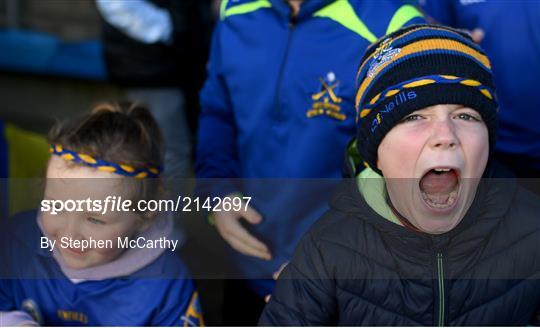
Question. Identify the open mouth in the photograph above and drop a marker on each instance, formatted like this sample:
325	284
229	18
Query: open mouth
440	187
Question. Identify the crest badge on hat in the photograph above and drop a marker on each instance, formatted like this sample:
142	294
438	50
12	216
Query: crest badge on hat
382	54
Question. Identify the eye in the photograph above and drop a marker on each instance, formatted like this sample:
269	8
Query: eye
412	117
94	221
468	117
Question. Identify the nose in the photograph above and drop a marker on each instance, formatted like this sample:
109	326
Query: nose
72	229
443	135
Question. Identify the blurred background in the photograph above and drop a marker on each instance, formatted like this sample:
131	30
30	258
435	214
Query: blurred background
51	61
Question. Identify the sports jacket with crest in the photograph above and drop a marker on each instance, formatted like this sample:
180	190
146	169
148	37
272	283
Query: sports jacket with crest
279	103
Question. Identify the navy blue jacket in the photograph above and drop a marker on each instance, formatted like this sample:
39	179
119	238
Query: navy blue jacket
356	268
279	103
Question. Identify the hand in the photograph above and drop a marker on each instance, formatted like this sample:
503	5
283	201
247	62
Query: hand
229	227
275	276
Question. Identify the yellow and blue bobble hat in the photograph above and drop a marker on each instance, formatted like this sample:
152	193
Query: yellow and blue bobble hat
416	67
102	165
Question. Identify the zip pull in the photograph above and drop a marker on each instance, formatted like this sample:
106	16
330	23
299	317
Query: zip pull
440	283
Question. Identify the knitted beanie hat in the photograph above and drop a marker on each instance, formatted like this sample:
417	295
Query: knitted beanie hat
416	67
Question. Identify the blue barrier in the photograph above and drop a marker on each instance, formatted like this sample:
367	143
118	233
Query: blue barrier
41	53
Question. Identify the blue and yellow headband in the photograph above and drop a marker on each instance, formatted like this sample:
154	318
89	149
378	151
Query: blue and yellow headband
102	165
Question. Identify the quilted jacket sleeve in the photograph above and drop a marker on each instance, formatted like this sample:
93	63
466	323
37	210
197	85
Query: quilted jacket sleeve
304	294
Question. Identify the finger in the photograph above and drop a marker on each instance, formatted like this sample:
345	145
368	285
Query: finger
267	298
278	272
245	249
234	233
252	216
243	235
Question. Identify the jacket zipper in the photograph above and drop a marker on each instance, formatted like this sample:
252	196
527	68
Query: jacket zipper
440	280
290	31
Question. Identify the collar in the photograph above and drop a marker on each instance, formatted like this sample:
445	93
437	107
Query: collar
307	9
373	189
131	261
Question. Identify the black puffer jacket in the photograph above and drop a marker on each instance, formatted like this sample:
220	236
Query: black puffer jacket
356	268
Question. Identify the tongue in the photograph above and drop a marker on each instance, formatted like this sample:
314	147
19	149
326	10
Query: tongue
443	183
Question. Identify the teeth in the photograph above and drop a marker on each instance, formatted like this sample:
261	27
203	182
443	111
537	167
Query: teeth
442	170
449	202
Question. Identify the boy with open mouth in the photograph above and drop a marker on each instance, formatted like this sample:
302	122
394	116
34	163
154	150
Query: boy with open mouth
424	234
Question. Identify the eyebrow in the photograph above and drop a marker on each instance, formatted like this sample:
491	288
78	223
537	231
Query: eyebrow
93	213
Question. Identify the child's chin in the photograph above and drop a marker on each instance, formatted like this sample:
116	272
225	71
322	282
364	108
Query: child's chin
438	223
76	265
77	262
439	220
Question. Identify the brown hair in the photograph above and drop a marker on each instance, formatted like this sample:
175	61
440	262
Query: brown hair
120	132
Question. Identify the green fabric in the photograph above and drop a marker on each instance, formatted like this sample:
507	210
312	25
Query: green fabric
353	155
244	8
342	12
222	8
28	154
404	14
372	188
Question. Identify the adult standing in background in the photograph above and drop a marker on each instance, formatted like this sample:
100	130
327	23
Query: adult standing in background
157	50
279	103
509	31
